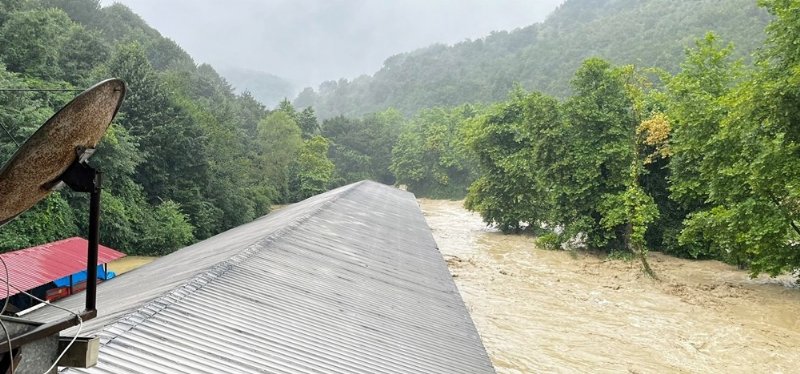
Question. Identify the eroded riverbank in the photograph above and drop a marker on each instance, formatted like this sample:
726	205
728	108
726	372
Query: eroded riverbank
548	311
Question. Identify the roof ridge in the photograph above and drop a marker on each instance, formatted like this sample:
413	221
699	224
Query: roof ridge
151	308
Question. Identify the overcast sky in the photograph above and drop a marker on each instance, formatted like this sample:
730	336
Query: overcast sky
310	41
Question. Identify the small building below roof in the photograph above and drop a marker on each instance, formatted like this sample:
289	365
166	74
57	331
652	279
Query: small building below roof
347	281
36	268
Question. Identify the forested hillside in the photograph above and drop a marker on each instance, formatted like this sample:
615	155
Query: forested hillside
542	56
702	163
186	157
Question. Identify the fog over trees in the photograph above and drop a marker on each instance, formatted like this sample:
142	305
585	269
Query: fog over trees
307	42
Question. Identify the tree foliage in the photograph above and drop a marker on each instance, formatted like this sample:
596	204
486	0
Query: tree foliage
430	156
31	41
313	170
750	167
279	141
361	147
704	165
507	141
50	220
186	157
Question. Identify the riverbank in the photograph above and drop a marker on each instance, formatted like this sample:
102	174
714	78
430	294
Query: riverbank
557	311
129	263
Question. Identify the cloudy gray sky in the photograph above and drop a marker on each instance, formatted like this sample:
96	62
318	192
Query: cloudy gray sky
309	41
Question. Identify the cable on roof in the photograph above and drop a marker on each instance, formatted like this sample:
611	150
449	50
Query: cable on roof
2	324
74	338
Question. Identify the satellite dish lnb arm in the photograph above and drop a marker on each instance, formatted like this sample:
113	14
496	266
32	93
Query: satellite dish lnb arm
81	177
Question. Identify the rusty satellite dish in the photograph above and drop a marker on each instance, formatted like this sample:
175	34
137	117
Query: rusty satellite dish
57	153
68	136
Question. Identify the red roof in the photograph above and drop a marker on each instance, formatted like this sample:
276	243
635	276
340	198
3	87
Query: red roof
32	267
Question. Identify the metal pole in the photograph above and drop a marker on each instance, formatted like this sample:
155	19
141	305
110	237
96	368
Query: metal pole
94	240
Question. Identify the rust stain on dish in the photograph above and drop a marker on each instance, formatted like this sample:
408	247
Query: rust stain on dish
52	148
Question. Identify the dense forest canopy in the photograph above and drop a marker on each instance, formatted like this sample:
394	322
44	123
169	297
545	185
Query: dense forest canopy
186	157
681	137
542	56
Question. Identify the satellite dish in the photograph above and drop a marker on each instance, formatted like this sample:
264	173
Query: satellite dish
69	136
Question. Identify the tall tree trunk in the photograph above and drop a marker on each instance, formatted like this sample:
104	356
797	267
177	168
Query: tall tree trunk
638	252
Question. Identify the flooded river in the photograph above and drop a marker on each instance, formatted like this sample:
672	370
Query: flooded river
555	311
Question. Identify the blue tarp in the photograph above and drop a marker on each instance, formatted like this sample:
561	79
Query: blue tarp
81	277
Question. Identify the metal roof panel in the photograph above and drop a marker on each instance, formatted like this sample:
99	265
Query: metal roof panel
349	281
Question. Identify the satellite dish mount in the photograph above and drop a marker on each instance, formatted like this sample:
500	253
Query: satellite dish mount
57	154
81	177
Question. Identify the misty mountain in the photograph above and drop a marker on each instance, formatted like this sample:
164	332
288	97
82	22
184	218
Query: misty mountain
267	88
310	41
542	56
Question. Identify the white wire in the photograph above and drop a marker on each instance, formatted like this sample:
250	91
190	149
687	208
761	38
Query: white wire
74	338
2	323
10	351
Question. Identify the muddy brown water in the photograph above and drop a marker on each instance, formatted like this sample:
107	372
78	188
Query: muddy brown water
556	311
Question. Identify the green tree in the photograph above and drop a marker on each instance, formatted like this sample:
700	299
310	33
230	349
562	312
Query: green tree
286	106
695	106
594	155
163	188
82	52
175	161
8	7
312	170
165	230
146	102
751	166
307	121
131	224
81	11
511	143
430	156
32	39
361	148
279	141
21	112
50	220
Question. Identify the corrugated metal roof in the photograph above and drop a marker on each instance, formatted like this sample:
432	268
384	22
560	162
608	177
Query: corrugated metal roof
32	267
347	281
